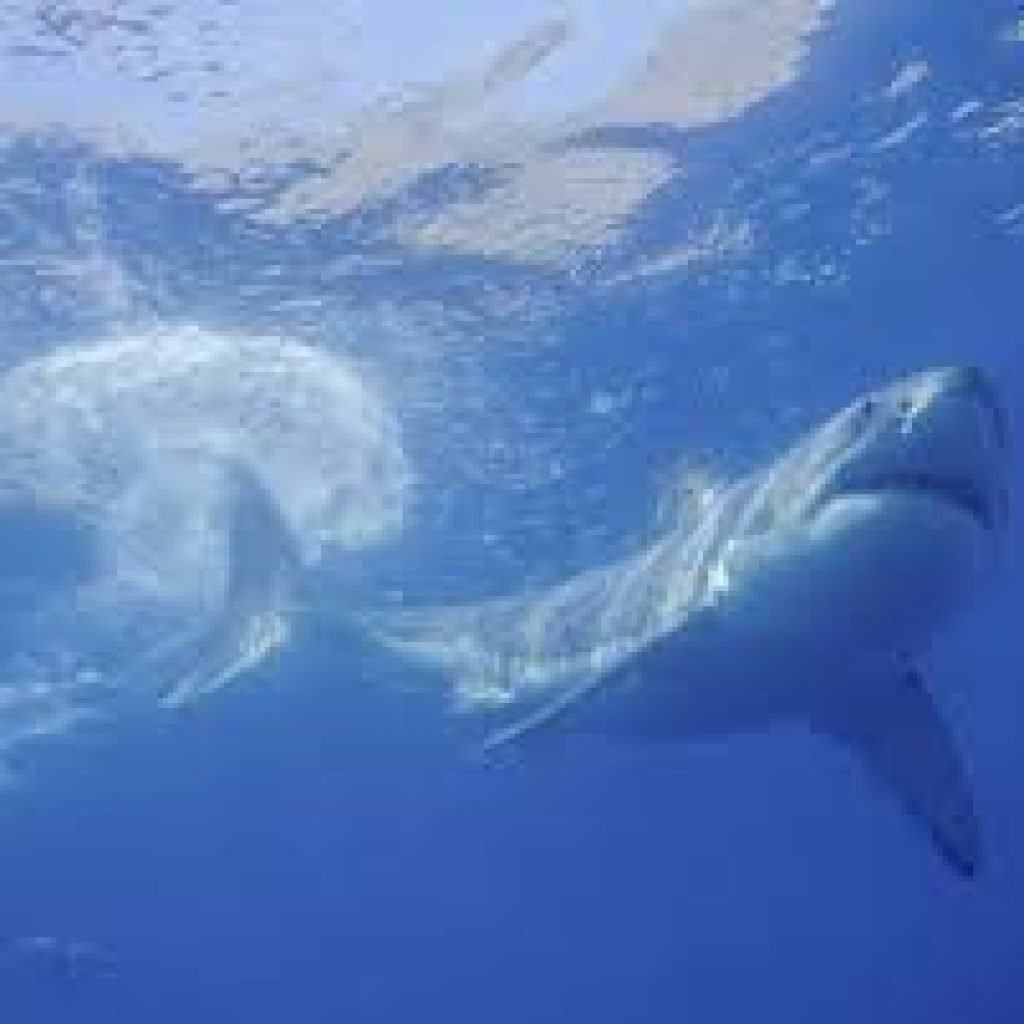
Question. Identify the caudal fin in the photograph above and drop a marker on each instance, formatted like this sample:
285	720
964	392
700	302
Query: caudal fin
255	616
901	739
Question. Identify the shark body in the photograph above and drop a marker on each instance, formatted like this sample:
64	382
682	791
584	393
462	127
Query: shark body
805	593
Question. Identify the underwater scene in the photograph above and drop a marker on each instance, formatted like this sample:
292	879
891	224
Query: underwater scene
511	512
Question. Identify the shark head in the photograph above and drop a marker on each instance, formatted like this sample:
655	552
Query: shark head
873	527
939	436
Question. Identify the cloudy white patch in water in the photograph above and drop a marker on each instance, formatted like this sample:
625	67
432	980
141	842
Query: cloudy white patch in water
79	424
131	437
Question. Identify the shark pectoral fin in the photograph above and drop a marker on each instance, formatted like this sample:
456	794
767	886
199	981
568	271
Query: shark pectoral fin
904	743
501	745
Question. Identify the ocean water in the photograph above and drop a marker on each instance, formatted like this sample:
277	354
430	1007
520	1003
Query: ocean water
467	308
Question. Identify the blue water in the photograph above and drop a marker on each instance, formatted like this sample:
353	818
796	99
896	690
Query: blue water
314	844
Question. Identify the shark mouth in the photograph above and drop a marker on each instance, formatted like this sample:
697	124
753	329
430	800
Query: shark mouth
964	494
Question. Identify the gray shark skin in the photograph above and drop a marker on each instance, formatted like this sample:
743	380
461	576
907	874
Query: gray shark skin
806	593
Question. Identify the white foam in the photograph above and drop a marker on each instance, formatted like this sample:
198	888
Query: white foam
86	424
115	433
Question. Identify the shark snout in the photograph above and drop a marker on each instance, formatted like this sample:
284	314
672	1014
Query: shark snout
941	433
966	396
970	385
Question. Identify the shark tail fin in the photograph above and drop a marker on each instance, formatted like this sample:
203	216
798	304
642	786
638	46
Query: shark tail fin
901	739
219	656
255	614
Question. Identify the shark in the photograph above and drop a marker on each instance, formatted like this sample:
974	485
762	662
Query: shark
808	592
